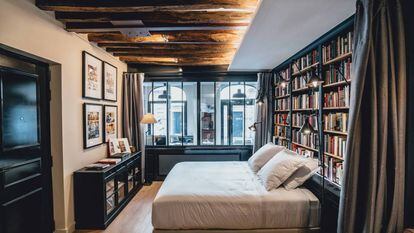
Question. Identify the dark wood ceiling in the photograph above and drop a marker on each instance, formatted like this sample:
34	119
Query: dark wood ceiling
183	32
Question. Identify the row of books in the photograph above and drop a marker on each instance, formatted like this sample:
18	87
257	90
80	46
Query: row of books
336	121
300	81
333	170
285	74
305	61
337	98
335	145
333	74
304	152
282	142
280	131
283	104
306	101
306	140
282	119
335	48
281	91
298	119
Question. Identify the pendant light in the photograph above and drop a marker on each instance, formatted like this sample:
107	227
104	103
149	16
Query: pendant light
314	81
239	94
164	95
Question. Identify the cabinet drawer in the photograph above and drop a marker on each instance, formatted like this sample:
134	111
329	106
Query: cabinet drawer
21	173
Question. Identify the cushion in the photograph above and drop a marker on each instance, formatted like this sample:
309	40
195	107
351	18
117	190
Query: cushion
279	168
263	155
303	173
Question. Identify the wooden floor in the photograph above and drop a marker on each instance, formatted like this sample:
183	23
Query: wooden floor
136	216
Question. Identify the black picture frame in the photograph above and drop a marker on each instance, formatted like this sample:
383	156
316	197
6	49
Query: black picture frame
85	126
105	137
104	94
99	73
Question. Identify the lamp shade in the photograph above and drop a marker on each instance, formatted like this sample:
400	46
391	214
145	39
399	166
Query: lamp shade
314	81
148	119
307	128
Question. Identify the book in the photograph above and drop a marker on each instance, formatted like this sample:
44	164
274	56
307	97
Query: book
337	47
305	101
298	119
336	122
96	166
305	61
337	98
333	73
110	161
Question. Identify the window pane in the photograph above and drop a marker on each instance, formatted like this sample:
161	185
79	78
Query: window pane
148	109
176	100
223	113
237	113
207	113
190	113
159	103
251	93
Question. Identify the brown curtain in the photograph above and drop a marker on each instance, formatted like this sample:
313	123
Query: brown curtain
372	196
133	110
264	112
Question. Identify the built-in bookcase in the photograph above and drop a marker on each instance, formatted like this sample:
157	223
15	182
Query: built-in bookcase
329	57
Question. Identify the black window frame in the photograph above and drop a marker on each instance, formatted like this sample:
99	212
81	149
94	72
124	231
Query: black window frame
197	143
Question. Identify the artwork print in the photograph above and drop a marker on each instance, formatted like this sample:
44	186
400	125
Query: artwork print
111	122
93	134
110	82
92	76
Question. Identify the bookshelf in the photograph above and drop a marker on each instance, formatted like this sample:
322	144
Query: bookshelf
330	57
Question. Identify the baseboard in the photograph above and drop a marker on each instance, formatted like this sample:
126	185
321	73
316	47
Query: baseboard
69	229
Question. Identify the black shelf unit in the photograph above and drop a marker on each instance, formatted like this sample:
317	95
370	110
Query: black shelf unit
101	195
332	190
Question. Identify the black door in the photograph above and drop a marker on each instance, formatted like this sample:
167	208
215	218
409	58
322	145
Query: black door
25	158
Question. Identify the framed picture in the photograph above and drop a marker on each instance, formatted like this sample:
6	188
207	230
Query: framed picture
110	122
113	146
92	125
110	73
91	76
124	145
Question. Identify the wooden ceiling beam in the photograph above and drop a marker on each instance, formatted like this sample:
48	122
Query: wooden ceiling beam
215	36
183	54
109	27
168	51
119	47
145	5
157	17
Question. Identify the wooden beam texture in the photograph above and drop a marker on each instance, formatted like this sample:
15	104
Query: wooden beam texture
145	5
213	37
174	17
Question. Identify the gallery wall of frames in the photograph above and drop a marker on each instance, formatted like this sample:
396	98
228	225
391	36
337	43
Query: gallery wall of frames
100	121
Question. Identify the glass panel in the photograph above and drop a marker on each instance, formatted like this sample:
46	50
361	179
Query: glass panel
222	111
190	113
176	98
20	116
207	113
237	113
159	103
121	189
110	204
148	109
130	179
251	92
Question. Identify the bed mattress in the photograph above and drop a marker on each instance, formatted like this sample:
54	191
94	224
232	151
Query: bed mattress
228	195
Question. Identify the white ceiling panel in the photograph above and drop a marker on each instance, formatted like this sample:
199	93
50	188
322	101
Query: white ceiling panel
283	27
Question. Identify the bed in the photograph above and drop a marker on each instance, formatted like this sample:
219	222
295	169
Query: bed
227	197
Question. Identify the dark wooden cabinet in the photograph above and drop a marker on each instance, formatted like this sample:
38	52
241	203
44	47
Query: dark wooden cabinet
101	195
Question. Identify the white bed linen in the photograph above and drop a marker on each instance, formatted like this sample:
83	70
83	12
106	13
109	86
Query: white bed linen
228	195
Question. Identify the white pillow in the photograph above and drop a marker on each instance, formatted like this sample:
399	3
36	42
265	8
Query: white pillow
263	155
279	168
308	169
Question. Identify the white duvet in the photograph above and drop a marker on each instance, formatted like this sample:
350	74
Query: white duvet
228	195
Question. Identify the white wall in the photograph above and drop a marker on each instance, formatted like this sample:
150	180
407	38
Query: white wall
27	28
